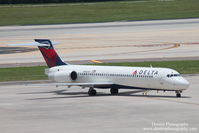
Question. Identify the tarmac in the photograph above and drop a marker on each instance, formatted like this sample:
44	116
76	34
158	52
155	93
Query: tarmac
27	107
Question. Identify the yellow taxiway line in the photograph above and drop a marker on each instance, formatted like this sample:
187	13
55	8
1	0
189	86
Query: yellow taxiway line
96	61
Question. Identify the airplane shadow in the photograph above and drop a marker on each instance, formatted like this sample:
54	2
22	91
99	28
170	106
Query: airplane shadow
64	94
134	94
159	96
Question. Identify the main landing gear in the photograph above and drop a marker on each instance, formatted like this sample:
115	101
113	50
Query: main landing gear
114	91
178	93
92	92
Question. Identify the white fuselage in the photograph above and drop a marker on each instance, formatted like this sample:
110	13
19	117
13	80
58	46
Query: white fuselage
135	77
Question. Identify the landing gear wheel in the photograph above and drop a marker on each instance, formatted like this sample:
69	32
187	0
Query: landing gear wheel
178	95
92	92
114	91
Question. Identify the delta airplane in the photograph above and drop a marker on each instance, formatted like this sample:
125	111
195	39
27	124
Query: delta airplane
105	77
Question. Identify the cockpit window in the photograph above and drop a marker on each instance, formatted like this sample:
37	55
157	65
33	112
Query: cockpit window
173	75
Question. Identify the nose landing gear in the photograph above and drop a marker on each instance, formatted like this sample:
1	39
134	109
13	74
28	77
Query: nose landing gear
178	93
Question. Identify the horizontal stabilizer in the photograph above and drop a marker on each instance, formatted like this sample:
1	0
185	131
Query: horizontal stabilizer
46	47
32	44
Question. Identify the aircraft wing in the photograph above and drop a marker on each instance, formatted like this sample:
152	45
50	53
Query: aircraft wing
84	84
77	84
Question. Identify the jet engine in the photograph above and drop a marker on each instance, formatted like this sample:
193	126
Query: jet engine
63	76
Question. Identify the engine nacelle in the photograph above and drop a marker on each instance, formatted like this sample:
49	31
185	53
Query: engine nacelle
73	75
63	76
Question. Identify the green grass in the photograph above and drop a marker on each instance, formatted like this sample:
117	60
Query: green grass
22	73
37	73
97	12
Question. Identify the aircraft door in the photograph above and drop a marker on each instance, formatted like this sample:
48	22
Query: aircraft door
161	82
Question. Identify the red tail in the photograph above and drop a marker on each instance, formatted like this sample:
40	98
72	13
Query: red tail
51	57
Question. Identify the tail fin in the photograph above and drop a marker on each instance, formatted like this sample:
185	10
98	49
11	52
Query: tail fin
51	57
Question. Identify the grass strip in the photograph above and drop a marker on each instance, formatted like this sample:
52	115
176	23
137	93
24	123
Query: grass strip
22	73
37	72
98	12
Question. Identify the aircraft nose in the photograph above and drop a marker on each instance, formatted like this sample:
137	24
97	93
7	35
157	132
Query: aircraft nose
183	83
